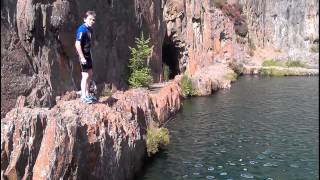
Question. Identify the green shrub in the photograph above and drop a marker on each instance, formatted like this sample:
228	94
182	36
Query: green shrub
236	67
156	138
314	48
281	72
295	63
271	62
166	72
140	78
140	73
232	76
288	63
272	72
186	86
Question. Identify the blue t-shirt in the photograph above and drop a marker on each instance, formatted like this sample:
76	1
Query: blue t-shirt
84	35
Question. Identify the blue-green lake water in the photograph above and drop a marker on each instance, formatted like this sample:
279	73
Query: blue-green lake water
261	128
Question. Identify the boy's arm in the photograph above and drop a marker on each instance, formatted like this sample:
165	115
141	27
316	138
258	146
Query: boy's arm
78	45
80	53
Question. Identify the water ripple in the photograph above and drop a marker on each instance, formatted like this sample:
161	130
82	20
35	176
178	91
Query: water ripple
264	128
247	175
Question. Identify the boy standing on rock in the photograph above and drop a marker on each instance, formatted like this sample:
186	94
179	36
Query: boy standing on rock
83	47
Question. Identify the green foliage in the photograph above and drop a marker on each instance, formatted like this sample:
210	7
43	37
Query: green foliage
295	63
186	86
272	72
140	72
232	76
314	48
156	138
166	72
287	68
271	62
140	78
288	63
281	72
236	67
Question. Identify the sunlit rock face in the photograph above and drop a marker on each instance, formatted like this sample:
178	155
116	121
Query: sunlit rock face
106	140
290	27
202	33
282	24
39	60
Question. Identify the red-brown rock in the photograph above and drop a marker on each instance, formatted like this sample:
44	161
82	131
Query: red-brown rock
106	140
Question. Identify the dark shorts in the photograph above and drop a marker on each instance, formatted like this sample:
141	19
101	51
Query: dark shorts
87	66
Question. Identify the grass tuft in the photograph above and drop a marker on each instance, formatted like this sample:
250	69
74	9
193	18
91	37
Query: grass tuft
271	62
232	76
156	138
295	63
186	86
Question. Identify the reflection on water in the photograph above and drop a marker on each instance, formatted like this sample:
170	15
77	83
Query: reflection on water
262	128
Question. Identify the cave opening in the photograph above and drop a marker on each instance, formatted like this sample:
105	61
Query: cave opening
170	58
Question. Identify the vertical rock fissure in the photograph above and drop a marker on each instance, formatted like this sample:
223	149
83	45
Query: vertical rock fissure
170	57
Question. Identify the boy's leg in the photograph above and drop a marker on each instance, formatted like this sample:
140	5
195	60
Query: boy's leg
90	73
84	80
89	80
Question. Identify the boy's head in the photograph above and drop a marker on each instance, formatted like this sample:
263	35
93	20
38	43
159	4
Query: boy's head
90	18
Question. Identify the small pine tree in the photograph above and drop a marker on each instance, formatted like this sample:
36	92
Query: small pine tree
140	71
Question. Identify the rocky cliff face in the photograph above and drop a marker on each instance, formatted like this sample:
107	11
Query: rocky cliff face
106	140
206	34
37	48
200	32
282	24
39	61
290	27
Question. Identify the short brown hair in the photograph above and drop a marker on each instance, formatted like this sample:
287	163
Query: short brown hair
90	13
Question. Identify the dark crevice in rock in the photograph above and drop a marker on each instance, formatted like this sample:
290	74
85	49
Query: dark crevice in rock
170	57
30	61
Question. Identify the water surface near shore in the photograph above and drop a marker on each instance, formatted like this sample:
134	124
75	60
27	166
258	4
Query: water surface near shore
261	128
